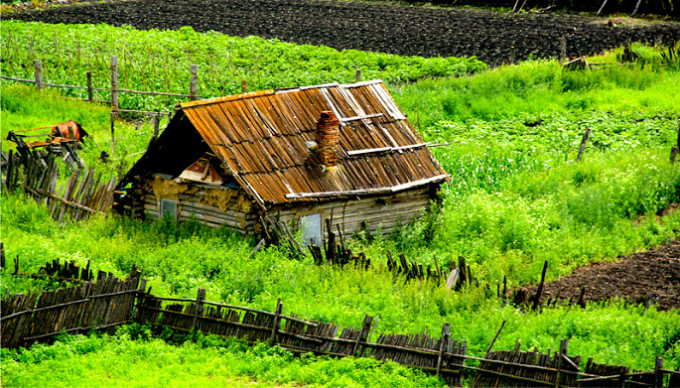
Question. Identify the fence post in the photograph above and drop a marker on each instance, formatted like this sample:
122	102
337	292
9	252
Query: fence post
193	86
563	48
199	307
276	324
85	306
2	255
38	74
658	372
114	83
363	333
113	137
357	76
156	124
244	86
561	353
90	92
446	331
140	294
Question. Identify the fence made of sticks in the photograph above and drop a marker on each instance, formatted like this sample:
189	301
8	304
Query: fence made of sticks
84	193
110	302
37	316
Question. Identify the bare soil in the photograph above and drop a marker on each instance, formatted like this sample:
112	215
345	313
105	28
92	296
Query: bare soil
492	36
651	277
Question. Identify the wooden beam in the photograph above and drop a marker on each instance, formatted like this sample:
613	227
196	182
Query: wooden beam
354	118
382	190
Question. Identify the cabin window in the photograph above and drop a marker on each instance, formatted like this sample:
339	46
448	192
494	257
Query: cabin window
310	226
168	209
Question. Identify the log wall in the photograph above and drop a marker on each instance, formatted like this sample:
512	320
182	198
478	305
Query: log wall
213	206
384	213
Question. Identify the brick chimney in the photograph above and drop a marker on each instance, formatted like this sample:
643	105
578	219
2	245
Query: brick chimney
327	132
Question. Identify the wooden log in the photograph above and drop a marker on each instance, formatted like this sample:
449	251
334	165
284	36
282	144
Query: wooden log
114	86
31	81
493	341
462	267
537	297
193	86
658	372
38	74
438	270
200	297
443	345
90	91
580	301
276	322
582	147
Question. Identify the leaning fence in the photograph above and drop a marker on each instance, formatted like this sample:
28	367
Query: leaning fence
84	193
35	316
110	302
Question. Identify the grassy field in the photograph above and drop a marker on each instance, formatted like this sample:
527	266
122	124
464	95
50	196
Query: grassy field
517	198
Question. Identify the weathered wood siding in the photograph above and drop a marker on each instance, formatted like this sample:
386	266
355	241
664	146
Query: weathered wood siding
382	213
210	205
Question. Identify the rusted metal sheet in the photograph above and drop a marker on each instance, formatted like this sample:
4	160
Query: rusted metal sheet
263	140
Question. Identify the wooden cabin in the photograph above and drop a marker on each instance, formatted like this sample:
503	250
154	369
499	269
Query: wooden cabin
299	156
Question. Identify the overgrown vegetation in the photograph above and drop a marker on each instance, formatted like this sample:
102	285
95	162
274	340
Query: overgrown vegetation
132	358
517	198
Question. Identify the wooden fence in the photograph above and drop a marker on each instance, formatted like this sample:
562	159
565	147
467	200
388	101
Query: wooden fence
114	91
110	302
519	368
83	194
434	355
37	316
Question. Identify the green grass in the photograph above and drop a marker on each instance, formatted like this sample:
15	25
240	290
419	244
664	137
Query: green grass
24	107
516	199
207	361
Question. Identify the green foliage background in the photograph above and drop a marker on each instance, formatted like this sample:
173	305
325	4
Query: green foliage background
516	198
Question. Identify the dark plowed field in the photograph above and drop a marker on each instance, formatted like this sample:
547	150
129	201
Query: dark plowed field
645	277
493	37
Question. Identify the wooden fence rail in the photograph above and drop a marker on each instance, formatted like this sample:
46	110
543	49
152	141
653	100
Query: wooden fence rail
110	302
114	90
421	351
36	316
83	194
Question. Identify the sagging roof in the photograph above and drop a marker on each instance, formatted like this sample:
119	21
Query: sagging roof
263	140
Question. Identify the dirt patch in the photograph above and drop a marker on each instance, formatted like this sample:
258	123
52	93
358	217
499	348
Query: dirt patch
492	36
651	277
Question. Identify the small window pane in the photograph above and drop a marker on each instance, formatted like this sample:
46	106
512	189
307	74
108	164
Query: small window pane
169	209
310	225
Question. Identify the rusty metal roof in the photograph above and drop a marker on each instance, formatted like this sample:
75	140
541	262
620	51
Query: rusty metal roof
262	139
